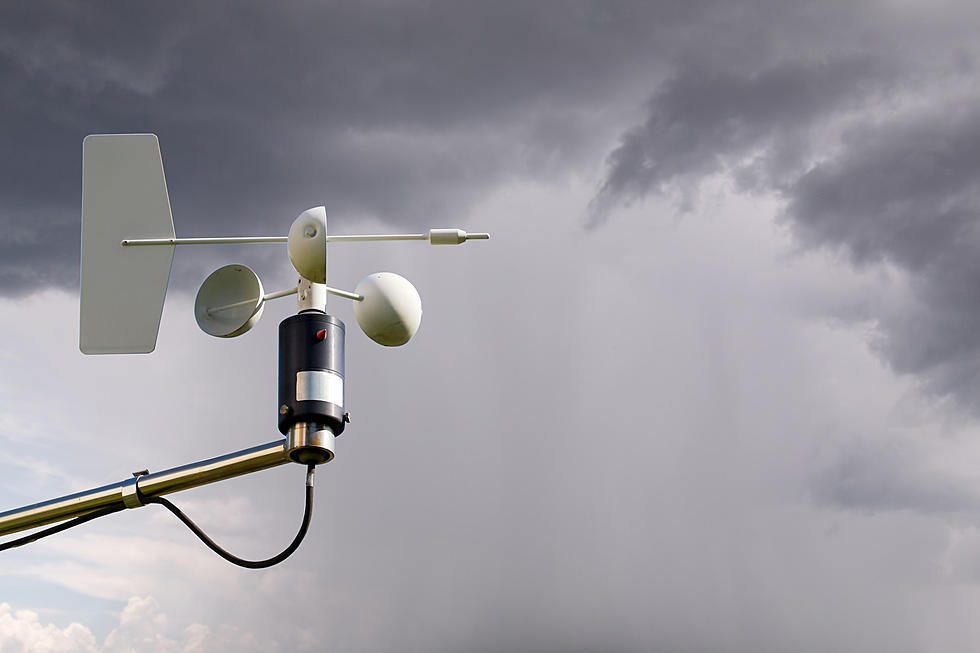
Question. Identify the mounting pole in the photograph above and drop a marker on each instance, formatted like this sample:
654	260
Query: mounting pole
156	484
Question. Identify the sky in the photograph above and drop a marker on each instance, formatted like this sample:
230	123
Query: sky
712	385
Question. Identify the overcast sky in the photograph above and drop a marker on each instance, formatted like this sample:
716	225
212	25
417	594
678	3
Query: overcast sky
711	386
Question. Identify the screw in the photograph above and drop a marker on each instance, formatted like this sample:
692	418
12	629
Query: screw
284	409
347	418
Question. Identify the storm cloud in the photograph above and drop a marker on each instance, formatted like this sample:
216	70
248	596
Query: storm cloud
873	147
704	121
908	193
398	112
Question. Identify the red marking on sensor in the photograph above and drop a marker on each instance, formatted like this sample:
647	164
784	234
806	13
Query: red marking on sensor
321	335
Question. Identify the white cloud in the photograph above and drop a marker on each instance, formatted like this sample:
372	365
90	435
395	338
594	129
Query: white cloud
22	631
143	628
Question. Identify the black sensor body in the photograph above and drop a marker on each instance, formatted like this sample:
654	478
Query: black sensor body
311	371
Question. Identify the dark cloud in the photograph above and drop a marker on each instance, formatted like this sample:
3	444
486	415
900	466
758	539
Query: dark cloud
400	111
890	475
703	121
907	192
877	156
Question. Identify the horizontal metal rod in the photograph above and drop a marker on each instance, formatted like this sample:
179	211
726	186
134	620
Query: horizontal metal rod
352	238
144	242
367	238
247	302
283	293
343	293
331	238
156	484
211	470
280	293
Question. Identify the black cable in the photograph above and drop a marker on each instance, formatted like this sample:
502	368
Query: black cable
77	521
250	564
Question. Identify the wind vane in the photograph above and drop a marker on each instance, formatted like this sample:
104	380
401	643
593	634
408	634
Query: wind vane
128	242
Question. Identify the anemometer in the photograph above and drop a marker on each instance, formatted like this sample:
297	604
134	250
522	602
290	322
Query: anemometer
128	242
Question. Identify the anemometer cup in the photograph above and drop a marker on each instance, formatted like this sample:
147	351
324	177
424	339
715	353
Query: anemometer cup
390	309
307	244
229	302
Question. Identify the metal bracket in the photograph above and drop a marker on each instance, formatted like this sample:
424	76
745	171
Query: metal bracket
130	490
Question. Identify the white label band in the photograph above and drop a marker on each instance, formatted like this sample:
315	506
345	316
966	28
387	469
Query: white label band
320	385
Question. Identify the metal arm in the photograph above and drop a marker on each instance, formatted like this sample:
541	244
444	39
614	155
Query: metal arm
157	484
284	293
435	237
